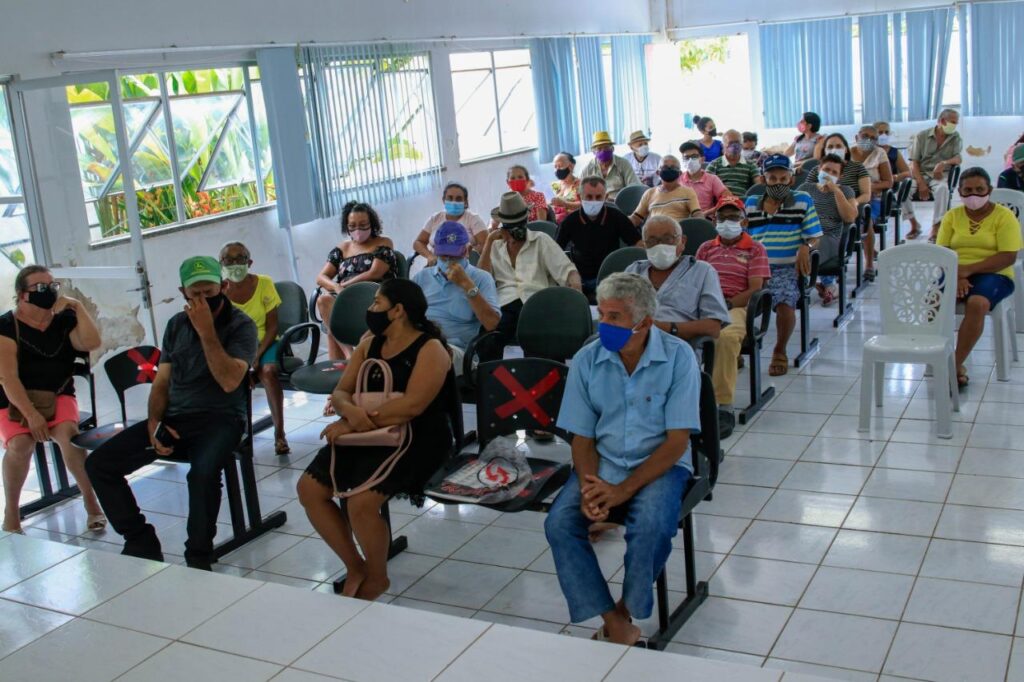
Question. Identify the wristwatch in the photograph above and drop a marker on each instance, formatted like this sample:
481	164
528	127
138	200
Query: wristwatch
472	293
673	329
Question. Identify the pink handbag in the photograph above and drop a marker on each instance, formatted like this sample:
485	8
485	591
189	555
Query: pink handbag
397	436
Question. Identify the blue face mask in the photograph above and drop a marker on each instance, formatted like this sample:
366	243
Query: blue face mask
614	338
454	208
443	265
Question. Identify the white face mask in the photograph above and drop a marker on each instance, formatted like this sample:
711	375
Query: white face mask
838	151
729	229
692	166
643	150
592	208
826	177
662	256
883	140
235	273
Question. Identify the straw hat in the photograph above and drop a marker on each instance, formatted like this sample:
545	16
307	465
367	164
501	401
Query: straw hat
638	136
601	138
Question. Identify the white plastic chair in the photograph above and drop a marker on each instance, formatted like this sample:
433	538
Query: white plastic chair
918	298
1014	200
1003	325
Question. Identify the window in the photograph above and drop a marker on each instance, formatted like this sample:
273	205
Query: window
15	239
194	149
494	106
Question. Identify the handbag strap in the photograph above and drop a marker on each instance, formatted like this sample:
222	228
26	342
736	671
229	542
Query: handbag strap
382	472
363	380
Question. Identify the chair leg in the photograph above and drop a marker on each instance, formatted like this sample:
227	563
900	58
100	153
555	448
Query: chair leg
758	398
696	593
845	310
1002	347
1018	306
943	413
808	346
897	228
867	376
954	386
879	380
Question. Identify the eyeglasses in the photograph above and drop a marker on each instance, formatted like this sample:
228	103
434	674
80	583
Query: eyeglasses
43	286
651	242
237	260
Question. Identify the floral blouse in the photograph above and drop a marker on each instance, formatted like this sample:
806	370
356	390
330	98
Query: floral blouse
567	193
538	204
356	265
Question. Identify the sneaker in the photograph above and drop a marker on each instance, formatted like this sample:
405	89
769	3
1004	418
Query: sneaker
726	423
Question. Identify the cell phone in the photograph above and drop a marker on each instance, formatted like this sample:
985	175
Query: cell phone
163	435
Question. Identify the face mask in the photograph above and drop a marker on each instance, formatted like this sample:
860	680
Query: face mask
42	299
669	174
604	155
748	154
517	232
734	149
729	229
838	151
443	264
713	132
562	173
802	126
234	273
377	321
613	338
592	208
454	208
217	303
777	192
642	150
866	145
360	236
974	202
662	256
826	177
949	128
518	185
692	166
883	139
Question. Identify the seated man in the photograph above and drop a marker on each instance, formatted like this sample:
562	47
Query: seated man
594	230
522	262
709	188
736	174
616	171
751	154
668	198
461	298
786	223
742	267
933	152
631	401
1013	177
644	162
197	414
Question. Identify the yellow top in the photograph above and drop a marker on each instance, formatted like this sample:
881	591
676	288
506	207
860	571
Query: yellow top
263	300
999	232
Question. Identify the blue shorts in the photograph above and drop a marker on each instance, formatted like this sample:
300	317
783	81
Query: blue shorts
876	210
783	286
990	285
271	356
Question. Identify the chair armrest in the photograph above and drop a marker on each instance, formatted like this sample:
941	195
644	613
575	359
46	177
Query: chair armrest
481	343
410	259
706	345
888	199
296	330
759	306
806	282
313	298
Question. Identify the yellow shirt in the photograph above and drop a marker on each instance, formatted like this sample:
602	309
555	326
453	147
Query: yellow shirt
1000	231
677	203
264	300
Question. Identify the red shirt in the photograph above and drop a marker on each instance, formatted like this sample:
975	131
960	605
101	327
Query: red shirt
735	264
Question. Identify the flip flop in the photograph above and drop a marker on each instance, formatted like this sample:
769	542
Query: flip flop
281	446
96	523
779	365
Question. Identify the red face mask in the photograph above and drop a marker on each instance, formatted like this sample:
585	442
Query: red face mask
518	185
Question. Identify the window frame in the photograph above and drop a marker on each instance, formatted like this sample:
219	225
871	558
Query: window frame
20	198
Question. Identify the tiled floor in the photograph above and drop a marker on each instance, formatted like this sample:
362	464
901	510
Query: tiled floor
884	555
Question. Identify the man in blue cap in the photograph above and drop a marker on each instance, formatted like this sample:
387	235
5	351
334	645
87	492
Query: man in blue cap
461	298
786	223
197	413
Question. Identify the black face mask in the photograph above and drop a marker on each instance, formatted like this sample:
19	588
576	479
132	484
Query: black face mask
777	192
217	303
377	321
562	173
517	232
713	132
669	174
42	299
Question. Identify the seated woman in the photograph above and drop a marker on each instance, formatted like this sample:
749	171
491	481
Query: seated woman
366	257
566	187
804	144
900	170
39	340
256	296
986	238
855	176
518	179
875	160
836	209
402	336
456	209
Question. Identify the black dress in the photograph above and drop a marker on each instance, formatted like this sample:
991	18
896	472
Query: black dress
431	437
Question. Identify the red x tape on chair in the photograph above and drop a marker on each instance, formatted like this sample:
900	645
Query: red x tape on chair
130	368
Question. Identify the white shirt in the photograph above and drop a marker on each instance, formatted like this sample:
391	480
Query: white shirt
541	263
471	221
873	160
646	170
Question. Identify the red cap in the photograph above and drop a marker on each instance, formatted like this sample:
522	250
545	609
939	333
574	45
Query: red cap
730	200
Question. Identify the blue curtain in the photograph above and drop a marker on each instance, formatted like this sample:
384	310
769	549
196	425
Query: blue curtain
593	110
928	38
997	30
629	86
807	66
897	65
554	91
874	68
965	100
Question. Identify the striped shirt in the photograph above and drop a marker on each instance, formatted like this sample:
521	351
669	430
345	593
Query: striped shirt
735	264
783	232
677	203
737	177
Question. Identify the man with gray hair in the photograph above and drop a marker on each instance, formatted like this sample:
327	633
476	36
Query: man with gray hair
631	400
933	152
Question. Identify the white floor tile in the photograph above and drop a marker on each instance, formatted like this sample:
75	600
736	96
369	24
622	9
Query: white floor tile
261	550
836	640
187	662
743	501
893	516
432	607
970	606
975	562
858	593
21	624
1001	438
846	426
762	580
458	583
756	471
716	533
1016	671
843	451
771	445
407	568
438	537
826	478
640	664
920	457
797	671
982	462
22	557
988	491
816	509
981	525
714	654
310	559
785	541
503	547
790	423
742	626
877	551
515	621
945	655
902	484
532	595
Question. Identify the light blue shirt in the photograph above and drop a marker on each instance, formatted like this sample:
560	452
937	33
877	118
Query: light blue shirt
628	414
448	306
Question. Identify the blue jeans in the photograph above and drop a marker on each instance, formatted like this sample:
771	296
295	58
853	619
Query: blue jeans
651	520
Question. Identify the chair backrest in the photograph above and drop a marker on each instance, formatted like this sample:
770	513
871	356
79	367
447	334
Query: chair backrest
628	198
697	231
293	309
953	178
1012	199
547	227
474	257
554	323
132	367
918	289
809	165
707	443
619	259
348	316
518	393
402	264
903	193
755	191
888	198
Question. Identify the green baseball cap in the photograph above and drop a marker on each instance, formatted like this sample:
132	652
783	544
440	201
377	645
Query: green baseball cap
199	269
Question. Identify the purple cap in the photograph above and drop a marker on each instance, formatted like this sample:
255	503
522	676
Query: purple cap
451	239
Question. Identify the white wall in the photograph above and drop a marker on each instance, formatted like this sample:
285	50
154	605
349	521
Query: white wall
688	14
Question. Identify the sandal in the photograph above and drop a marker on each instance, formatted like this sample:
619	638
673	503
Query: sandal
779	365
281	446
827	296
96	523
962	379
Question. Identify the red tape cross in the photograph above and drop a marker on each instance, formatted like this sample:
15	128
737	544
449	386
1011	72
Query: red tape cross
147	366
523	399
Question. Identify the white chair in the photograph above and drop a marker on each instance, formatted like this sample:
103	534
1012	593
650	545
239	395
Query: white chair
1003	325
1014	200
918	298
